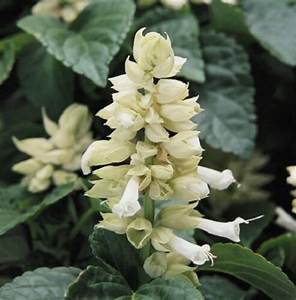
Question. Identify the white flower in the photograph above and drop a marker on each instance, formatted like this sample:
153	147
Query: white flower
229	230
285	220
215	179
128	204
197	254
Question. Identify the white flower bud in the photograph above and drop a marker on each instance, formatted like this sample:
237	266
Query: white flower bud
26	167
183	145
170	90
134	72
61	177
33	146
156	133
50	126
123	83
189	187
105	152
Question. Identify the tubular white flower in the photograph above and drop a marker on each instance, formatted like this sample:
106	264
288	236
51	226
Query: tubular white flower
229	230
128	204
215	179
197	254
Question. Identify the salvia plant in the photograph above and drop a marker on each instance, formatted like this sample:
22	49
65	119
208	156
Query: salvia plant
147	106
147	150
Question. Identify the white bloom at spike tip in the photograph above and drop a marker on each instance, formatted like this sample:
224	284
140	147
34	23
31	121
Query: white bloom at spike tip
215	179
197	254
154	55
128	204
229	230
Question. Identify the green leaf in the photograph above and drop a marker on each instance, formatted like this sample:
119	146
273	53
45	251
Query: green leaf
228	122
17	205
98	283
57	91
172	289
286	244
40	284
105	283
273	24
7	59
219	288
228	18
252	268
183	30
88	45
119	253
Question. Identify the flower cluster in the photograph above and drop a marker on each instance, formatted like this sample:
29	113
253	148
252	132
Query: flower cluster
54	160
292	180
158	142
67	10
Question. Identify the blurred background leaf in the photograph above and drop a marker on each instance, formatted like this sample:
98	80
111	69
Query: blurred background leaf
91	42
228	122
55	82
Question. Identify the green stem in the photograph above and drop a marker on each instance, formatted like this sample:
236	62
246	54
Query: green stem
149	211
149	208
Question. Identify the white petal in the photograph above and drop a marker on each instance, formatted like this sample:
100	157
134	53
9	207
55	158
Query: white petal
215	179
178	64
86	158
134	72
128	204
